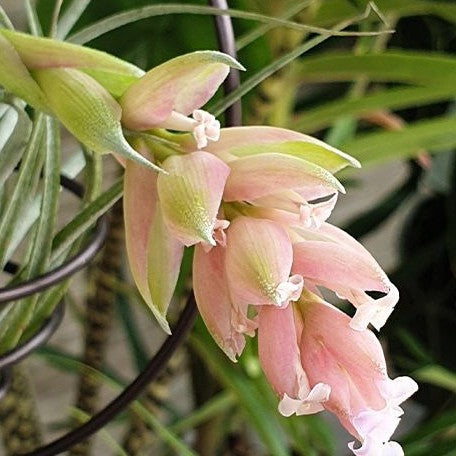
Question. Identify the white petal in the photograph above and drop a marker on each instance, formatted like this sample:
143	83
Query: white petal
312	403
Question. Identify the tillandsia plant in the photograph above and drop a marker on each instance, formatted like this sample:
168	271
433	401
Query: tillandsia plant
253	201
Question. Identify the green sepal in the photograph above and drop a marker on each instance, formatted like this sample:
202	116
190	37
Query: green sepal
325	156
15	77
88	111
38	53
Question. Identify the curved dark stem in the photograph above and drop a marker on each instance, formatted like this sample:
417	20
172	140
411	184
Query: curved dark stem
128	394
74	264
39	338
227	44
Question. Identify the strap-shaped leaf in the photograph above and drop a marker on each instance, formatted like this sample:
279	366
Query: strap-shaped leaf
324	114
15	127
434	135
88	111
436	70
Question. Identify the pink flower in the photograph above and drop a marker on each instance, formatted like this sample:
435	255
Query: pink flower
179	207
254	205
336	261
313	359
167	94
165	213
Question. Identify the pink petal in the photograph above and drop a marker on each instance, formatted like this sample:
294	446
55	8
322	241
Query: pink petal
190	195
164	257
154	255
140	201
260	175
336	267
214	304
280	360
182	84
244	141
258	263
279	352
340	263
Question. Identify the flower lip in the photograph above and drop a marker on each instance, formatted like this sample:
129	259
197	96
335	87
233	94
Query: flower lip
289	290
305	404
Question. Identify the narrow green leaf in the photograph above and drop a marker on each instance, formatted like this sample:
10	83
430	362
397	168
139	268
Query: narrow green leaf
70	17
433	135
5	20
337	10
163	432
85	219
396	98
26	179
437	70
32	19
15	128
438	376
212	408
250	399
132	334
51	188
88	111
127	17
82	417
219	107
261	30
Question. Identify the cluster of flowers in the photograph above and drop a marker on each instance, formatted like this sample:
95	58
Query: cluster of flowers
253	201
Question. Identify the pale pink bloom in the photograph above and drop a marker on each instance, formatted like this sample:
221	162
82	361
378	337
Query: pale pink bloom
258	263
333	259
352	363
281	363
226	321
167	94
276	168
314	360
250	265
164	213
